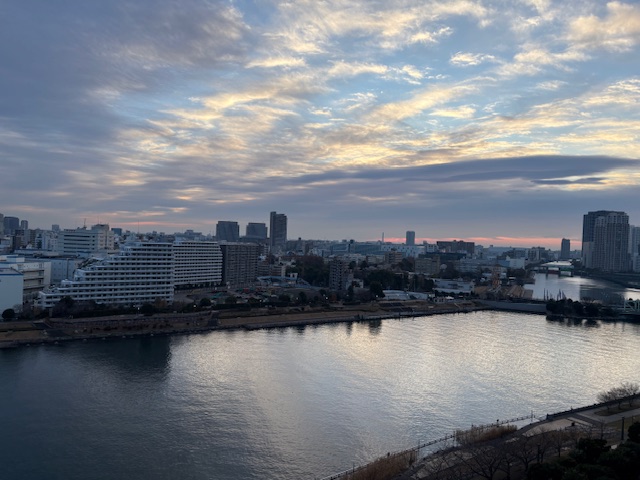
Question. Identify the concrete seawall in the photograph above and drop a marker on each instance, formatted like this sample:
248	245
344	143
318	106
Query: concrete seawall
537	308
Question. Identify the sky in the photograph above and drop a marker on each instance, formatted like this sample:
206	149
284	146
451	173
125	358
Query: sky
500	122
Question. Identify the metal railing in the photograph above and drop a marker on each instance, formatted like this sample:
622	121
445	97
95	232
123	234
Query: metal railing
453	436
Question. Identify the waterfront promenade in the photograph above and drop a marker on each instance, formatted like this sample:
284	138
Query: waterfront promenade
13	334
551	435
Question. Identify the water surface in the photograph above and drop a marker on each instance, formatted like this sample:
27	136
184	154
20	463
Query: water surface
291	403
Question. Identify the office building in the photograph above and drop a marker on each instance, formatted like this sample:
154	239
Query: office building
1	224
227	231
605	241
24	224
256	231
85	242
565	249
410	238
11	224
277	231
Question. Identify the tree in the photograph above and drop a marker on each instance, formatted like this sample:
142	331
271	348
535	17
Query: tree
8	314
284	298
634	432
147	309
626	391
231	300
350	293
591	310
302	298
376	290
205	302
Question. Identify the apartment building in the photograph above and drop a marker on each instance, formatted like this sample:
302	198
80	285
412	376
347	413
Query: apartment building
142	272
240	263
197	263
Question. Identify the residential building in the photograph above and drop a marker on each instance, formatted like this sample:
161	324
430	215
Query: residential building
427	265
197	263
610	248
227	231
239	263
277	231
634	247
393	257
456	246
340	276
1	224
63	267
538	254
588	234
406	250
142	272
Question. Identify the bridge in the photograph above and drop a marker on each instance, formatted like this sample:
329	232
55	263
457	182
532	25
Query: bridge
630	307
558	268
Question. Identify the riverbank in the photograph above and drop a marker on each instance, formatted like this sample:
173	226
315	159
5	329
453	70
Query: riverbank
56	330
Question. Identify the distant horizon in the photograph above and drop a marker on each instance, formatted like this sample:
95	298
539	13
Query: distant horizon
498	241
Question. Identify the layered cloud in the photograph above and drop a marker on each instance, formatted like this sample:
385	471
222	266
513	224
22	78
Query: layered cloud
186	113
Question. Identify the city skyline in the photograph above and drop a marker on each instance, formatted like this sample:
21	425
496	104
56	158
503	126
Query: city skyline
495	123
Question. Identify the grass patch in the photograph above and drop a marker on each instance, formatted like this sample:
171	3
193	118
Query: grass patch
607	412
483	434
385	468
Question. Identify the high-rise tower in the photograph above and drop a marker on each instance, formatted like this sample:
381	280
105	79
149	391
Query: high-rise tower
277	231
565	249
605	240
411	238
227	231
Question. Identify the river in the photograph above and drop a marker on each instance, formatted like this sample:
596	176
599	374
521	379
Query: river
291	403
580	288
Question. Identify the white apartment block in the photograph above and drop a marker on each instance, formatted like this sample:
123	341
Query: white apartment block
142	272
197	263
36	274
85	242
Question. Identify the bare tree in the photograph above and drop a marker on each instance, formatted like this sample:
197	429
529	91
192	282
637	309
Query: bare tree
483	460
625	391
524	449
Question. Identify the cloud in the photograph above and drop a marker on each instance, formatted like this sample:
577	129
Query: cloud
618	31
465	59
